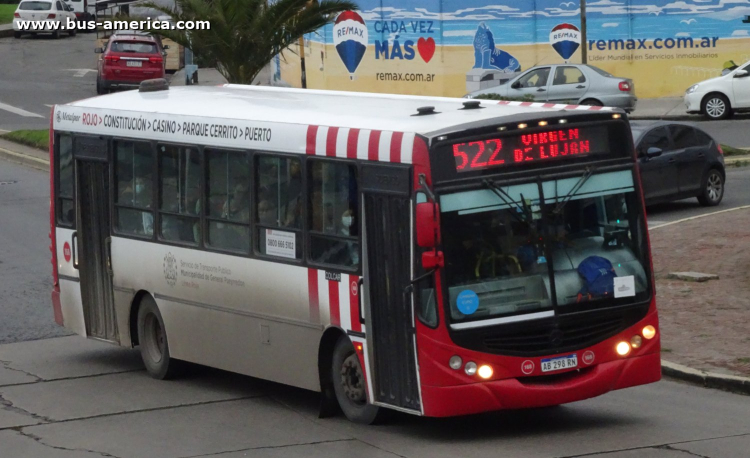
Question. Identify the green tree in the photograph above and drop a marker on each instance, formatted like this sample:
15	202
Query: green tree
246	34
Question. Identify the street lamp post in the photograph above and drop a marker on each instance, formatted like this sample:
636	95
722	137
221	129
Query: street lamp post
584	40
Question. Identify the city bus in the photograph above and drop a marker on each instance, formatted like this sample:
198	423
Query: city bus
434	256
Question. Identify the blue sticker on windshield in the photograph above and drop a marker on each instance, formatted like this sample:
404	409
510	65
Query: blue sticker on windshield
467	302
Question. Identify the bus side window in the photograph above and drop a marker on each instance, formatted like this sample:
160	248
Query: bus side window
278	205
334	232
134	188
228	200
179	194
65	204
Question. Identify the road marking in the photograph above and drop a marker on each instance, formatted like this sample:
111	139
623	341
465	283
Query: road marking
699	216
3	131
19	111
79	72
48	106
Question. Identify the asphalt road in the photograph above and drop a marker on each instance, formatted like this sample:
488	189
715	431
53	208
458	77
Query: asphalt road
25	269
74	398
38	72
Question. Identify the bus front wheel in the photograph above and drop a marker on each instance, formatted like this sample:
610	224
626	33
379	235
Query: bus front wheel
152	337
350	384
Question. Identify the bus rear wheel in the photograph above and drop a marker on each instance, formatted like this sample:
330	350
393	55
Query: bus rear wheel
152	337
350	385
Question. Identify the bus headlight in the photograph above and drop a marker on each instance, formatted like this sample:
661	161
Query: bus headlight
636	341
470	368
623	348
455	362
649	332
485	371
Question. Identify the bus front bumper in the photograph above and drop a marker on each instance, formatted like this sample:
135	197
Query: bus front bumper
540	391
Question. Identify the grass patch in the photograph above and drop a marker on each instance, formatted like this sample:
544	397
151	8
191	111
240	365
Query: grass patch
732	151
6	13
34	138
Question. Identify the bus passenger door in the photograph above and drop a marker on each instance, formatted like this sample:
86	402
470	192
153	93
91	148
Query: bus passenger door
387	276
93	223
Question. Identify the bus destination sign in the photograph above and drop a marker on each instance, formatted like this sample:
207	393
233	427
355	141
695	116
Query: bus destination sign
530	148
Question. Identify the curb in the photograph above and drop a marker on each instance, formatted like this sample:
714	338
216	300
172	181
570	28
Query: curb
724	382
6	33
24	159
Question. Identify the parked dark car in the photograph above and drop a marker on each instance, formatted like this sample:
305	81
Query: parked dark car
678	161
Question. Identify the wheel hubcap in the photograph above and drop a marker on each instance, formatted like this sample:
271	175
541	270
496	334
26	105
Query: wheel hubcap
352	380
715	108
714	187
155	339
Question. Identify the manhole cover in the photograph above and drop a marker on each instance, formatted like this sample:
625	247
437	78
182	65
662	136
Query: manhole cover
7	182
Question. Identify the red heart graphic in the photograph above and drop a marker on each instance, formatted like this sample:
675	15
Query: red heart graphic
426	48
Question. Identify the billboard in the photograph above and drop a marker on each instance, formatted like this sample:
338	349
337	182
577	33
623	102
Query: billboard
451	47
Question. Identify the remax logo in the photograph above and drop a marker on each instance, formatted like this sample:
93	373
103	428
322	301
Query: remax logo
350	39
565	38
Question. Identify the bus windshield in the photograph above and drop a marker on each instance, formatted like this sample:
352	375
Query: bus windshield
549	246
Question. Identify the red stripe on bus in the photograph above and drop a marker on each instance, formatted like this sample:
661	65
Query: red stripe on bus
312	135
351	144
595	108
333	135
526	104
373	145
549	105
396	139
503	102
354	302
312	285
570	107
333	302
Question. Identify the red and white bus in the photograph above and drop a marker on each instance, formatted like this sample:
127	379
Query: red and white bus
435	256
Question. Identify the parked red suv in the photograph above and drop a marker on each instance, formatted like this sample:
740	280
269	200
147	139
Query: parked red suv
127	60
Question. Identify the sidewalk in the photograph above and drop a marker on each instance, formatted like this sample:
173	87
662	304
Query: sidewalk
705	325
661	108
6	30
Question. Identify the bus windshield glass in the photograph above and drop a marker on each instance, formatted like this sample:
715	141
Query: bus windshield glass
544	247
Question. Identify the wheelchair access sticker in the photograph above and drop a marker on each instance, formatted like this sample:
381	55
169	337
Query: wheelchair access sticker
467	302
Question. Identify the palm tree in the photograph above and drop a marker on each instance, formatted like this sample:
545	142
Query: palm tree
246	34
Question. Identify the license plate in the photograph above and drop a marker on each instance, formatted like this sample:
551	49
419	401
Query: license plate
559	363
134	63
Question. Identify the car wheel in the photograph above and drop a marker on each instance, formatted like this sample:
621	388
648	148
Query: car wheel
72	32
592	103
17	34
716	106
56	34
350	385
153	342
713	189
99	87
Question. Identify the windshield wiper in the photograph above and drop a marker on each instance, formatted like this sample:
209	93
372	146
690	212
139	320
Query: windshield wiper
508	200
577	187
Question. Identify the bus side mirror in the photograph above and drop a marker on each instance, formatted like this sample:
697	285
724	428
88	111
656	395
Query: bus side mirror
432	260
428	231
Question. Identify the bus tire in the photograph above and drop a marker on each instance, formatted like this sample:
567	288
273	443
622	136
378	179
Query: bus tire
350	385
154	345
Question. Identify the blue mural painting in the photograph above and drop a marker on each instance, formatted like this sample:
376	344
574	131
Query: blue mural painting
487	56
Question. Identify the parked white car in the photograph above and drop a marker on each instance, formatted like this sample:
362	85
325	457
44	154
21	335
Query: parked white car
718	98
51	11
